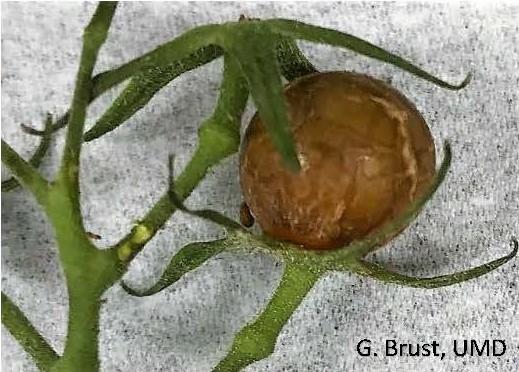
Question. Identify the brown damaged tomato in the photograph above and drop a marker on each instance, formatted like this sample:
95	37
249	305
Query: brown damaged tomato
365	152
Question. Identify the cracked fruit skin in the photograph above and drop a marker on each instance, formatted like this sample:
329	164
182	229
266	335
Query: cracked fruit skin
365	152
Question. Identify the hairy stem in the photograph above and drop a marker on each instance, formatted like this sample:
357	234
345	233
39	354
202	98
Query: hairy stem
219	137
36	158
29	338
257	340
25	174
93	38
82	334
88	271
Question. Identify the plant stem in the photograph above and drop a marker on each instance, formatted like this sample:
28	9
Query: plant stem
219	137
81	348
93	38
36	158
24	332
25	173
203	159
257	340
88	271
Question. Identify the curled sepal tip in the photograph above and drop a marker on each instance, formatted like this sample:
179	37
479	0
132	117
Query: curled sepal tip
300	30
185	260
465	81
379	272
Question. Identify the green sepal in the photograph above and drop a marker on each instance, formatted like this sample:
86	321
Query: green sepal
292	62
177	49
340	259
188	258
374	240
379	272
254	49
142	87
300	30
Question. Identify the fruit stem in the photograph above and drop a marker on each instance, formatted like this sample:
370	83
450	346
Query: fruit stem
257	340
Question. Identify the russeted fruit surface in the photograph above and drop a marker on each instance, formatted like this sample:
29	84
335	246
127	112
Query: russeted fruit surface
365	152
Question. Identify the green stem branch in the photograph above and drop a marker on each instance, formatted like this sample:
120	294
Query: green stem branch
88	271
219	137
29	338
257	340
25	173
81	348
36	158
93	38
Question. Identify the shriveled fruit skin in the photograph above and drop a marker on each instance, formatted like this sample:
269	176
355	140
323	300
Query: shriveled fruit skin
365	153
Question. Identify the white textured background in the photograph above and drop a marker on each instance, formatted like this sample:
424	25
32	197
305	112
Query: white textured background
190	326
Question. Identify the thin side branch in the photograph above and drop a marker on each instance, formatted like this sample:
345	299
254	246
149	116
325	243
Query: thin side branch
219	137
36	158
27	336
93	38
206	214
25	173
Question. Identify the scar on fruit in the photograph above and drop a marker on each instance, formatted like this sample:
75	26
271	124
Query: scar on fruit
366	154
